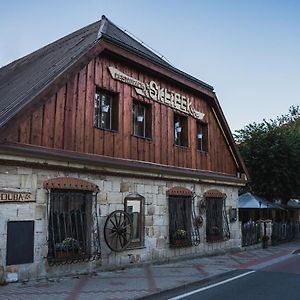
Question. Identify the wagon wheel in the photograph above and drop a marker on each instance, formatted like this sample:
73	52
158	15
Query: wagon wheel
118	230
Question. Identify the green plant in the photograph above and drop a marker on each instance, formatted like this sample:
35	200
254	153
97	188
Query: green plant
180	234
67	244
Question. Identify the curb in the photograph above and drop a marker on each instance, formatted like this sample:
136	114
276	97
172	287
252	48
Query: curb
188	286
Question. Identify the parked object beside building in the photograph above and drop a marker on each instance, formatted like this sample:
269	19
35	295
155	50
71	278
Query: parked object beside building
110	156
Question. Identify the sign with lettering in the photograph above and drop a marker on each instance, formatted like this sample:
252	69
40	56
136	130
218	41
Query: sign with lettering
8	196
153	91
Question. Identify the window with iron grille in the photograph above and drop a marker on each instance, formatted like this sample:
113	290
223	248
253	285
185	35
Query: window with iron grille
70	225
106	110
180	130
141	119
180	225
134	205
217	228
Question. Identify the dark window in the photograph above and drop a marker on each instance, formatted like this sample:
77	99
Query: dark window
134	205
202	137
217	228
180	130
180	225
20	242
141	119
106	110
70	222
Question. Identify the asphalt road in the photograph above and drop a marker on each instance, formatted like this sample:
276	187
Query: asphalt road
277	282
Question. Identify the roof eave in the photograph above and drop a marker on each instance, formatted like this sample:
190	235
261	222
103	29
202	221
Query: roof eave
106	163
145	56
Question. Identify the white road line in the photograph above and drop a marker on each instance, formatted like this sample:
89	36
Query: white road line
211	286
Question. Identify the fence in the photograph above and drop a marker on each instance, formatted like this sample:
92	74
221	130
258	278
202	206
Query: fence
252	231
285	231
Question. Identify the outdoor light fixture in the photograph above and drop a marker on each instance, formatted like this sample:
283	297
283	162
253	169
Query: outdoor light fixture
105	108
199	136
232	214
140	118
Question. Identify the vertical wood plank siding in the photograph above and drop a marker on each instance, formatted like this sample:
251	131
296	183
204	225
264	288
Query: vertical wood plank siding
66	121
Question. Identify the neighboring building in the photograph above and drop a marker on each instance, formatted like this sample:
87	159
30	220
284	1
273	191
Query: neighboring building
259	217
110	156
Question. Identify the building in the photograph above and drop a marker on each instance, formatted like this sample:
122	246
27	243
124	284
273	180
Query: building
110	156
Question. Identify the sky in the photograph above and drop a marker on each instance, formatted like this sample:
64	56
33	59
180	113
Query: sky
249	51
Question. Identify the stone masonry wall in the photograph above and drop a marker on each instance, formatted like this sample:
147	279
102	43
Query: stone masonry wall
113	190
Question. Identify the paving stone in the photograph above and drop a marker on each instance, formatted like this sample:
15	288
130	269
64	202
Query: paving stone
134	283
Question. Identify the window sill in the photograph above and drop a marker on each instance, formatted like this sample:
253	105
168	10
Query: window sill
216	240
132	247
182	147
202	152
181	244
149	139
105	129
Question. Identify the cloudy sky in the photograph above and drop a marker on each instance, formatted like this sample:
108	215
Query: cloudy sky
249	51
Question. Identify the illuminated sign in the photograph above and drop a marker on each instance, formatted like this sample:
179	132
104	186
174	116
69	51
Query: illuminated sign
153	91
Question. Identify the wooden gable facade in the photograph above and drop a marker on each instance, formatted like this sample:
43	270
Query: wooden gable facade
62	115
65	120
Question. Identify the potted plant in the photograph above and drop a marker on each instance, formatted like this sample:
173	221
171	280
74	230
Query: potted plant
67	246
265	240
179	237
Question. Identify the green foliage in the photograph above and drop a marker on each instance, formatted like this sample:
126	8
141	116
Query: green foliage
271	151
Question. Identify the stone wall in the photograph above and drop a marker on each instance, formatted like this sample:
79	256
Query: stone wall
113	190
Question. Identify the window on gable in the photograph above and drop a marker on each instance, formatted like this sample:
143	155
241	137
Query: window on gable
141	119
180	130
202	136
106	110
134	205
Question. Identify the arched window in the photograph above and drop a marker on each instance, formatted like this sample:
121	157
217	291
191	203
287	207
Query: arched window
72	230
217	228
180	217
134	205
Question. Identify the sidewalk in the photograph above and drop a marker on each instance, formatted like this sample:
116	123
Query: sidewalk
142	281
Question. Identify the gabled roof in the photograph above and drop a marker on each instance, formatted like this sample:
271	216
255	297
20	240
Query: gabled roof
25	78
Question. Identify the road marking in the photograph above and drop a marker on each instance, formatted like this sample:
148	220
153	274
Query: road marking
210	286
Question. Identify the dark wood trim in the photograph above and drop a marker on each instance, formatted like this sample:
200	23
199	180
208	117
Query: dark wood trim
131	166
224	124
141	199
152	66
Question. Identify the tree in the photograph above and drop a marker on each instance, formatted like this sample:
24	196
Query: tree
271	151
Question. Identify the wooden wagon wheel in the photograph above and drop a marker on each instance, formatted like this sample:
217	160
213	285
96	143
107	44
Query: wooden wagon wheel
118	230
